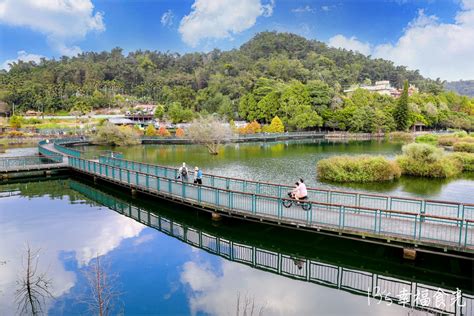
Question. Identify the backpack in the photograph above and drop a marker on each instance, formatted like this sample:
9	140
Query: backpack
184	171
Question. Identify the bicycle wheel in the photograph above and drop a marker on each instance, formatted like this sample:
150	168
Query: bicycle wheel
306	206
287	203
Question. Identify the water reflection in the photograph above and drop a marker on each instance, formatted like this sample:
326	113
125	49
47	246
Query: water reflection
182	264
215	286
67	228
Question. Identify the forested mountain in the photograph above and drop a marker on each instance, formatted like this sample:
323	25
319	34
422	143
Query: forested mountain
463	87
272	74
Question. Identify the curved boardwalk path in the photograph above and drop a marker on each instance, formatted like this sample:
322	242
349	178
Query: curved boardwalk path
417	223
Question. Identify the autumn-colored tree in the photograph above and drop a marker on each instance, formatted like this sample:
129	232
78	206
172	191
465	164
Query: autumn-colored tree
150	130
276	126
251	128
179	132
163	132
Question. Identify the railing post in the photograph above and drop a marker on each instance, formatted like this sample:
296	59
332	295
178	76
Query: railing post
147	179
199	194
128	176
254	204
183	189
136	178
341	214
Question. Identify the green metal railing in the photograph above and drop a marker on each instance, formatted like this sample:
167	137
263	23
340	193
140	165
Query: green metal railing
240	138
20	162
348	199
350	280
375	222
61	146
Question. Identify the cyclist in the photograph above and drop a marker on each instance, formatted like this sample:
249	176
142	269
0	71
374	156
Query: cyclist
302	192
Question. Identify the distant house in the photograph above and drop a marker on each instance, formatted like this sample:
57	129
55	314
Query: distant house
5	109
32	113
383	87
145	108
121	121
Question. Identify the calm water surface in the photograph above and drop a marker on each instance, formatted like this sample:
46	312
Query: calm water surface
159	274
73	222
285	162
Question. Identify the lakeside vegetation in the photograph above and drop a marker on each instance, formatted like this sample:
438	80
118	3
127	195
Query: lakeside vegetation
417	159
357	169
274	74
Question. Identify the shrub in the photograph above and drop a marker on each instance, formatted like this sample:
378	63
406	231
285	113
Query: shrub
460	134
251	128
427	139
357	169
466	159
14	134
16	121
427	161
150	130
163	132
464	147
179	132
401	137
447	140
113	135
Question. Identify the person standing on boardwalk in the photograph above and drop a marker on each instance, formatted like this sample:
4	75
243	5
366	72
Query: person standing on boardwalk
197	176
183	172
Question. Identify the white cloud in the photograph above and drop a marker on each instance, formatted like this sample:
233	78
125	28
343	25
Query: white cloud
23	56
62	21
215	292
437	49
305	9
217	19
352	43
443	50
167	18
78	230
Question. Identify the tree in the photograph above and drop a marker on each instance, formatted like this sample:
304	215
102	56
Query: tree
276	126
150	130
248	107
104	296
16	121
251	128
178	114
114	135
401	111
268	107
296	107
33	287
163	132
179	132
209	131
159	111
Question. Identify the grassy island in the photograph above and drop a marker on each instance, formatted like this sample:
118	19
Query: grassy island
357	169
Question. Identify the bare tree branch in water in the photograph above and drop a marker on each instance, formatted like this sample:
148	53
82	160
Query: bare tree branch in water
104	298
33	287
248	306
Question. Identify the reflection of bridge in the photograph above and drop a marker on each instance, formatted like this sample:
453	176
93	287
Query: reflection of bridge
422	223
351	280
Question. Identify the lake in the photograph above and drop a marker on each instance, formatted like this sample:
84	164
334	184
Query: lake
163	258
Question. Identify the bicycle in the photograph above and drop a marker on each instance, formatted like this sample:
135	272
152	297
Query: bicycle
292	201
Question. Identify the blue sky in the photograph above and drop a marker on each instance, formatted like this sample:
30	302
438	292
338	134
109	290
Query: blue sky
429	35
